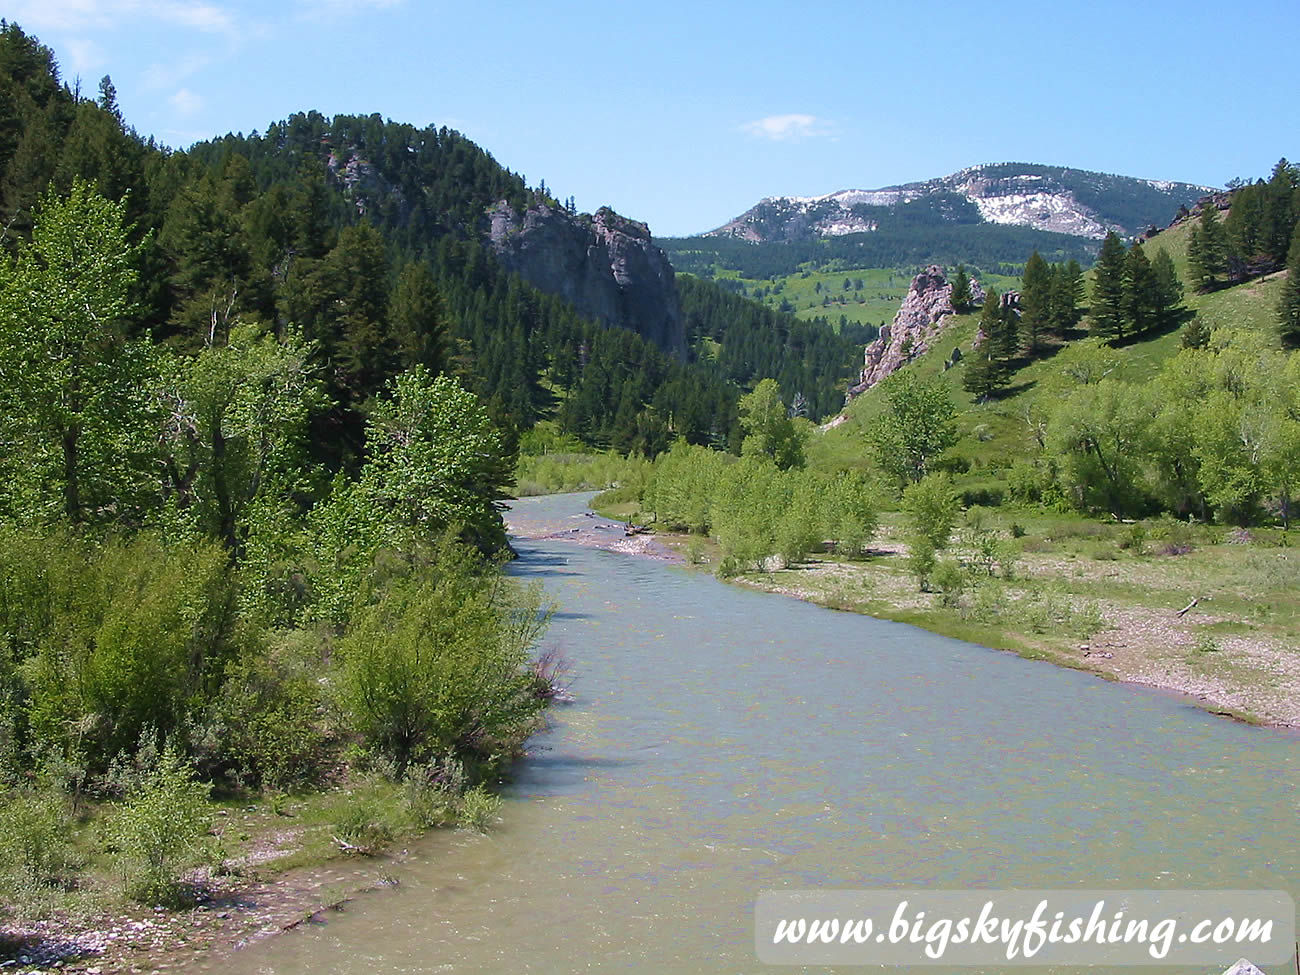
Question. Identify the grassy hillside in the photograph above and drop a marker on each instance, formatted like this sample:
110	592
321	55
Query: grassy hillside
872	297
995	433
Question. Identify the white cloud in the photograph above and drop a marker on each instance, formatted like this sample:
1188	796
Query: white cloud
80	15
185	102
789	128
313	9
161	76
82	56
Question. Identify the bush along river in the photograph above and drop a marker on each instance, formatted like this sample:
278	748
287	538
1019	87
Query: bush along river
723	742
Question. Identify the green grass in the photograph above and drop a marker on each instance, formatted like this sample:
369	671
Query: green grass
816	293
996	432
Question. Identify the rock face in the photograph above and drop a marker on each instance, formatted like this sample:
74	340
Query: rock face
605	265
920	320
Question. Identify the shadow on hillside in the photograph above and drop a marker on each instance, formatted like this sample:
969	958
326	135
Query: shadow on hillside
1177	319
1016	390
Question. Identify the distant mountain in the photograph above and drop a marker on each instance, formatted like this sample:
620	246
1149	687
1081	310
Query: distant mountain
1075	202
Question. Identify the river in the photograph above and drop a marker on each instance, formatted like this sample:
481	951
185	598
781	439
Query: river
724	742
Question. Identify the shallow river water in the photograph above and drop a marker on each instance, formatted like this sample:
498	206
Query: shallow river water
724	742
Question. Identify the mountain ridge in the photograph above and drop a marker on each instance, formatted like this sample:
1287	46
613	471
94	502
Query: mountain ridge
1058	199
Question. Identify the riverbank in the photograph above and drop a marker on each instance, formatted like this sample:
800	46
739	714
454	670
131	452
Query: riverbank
1210	614
281	865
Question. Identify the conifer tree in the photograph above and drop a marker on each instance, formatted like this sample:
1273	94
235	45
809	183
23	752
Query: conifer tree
1207	251
1168	289
1289	307
1106	313
985	372
1067	293
961	296
1035	302
1141	296
1196	334
1280	216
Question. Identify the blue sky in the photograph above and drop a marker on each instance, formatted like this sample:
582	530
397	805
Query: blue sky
685	114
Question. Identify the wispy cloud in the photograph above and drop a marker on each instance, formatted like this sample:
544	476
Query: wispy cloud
789	128
316	9
185	102
163	75
83	56
81	15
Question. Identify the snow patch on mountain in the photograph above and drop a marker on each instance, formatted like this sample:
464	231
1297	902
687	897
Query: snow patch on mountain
1058	212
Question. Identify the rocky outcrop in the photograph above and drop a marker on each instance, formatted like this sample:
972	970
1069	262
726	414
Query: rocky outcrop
919	322
604	265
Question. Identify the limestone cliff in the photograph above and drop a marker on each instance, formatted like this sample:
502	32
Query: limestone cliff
605	265
920	320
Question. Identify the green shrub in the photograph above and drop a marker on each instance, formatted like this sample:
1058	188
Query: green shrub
436	663
949	581
115	637
157	832
267	727
367	827
35	849
479	809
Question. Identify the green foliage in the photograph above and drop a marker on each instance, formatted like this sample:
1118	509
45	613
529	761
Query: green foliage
918	427
747	504
1141	300
801	526
1035	302
266	727
435	661
561	473
368	826
436	463
236	436
680	491
157	832
1106	312
1288	310
115	638
931	505
1096	433
987	367
76	417
849	512
961	293
35	849
949	581
1208	250
767	427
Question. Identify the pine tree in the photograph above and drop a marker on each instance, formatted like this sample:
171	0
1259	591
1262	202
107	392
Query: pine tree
1195	257
961	296
1035	302
1106	313
416	316
1168	289
1196	334
1207	251
1280	217
1067	293
1289	307
1141	296
983	373
986	369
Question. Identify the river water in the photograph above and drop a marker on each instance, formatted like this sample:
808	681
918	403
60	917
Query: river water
724	742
